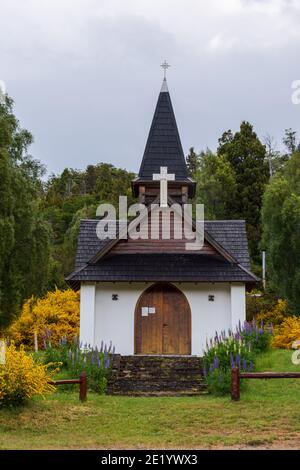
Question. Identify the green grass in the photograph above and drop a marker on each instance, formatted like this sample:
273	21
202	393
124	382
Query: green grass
267	415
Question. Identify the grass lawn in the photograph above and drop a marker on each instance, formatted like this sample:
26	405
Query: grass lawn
268	415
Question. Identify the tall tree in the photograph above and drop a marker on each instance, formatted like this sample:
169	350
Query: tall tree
24	234
247	156
73	195
192	162
275	159
216	185
290	140
281	229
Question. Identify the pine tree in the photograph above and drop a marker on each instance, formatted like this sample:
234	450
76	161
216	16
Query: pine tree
193	162
290	140
24	234
216	185
281	228
247	156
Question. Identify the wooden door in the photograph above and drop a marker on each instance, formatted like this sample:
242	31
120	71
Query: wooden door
162	321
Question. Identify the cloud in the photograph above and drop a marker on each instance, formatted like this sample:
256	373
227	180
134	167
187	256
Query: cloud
85	73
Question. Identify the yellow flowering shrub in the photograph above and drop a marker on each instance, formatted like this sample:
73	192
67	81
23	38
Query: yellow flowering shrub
286	333
276	315
21	378
56	315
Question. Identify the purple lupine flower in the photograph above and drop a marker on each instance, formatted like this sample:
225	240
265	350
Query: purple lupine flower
238	360
101	347
216	362
92	359
232	363
237	336
244	364
110	346
250	365
98	360
106	361
47	333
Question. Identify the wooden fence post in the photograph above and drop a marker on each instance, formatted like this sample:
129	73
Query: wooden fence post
83	387
35	339
235	384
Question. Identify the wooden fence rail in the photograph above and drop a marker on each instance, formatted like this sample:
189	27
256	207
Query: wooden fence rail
82	381
236	376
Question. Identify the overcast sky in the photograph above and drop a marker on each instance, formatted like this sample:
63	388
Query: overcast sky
85	74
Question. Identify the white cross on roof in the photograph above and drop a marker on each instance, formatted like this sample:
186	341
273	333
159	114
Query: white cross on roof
163	177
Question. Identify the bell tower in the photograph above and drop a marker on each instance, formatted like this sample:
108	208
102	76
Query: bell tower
163	155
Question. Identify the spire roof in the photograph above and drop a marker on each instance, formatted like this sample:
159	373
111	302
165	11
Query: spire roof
163	146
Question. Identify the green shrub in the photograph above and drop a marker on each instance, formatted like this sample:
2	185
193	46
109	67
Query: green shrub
219	382
75	359
238	349
258	339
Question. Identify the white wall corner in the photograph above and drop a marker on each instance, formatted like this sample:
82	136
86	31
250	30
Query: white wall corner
238	304
87	313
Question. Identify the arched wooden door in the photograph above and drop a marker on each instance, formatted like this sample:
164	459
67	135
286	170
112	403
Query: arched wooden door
162	321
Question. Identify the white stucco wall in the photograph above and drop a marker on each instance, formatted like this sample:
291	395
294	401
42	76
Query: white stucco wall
105	319
207	317
238	304
87	313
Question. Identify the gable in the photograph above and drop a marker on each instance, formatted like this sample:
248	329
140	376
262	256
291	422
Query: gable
164	266
161	245
230	234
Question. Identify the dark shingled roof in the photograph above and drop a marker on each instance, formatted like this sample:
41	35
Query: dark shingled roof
231	235
163	146
162	267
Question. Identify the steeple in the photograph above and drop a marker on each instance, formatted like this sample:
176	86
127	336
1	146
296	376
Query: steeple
164	149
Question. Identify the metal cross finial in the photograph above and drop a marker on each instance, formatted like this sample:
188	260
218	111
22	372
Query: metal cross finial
165	66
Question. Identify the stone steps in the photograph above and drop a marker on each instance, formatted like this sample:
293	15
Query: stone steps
156	376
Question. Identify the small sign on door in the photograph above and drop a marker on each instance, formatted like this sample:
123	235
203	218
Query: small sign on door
147	310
